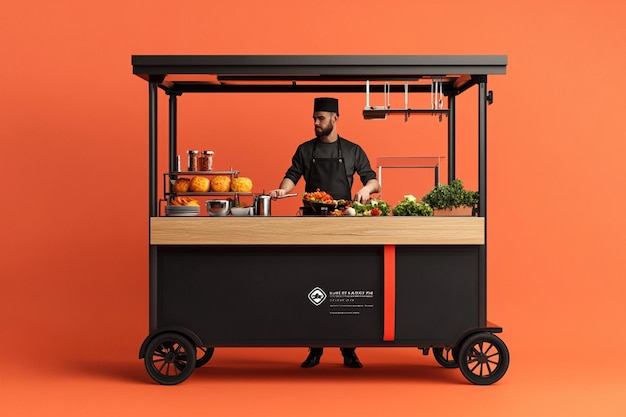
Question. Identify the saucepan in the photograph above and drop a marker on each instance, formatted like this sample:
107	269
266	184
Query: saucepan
262	204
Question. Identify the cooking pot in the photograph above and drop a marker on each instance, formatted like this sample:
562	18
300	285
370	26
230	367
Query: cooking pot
262	204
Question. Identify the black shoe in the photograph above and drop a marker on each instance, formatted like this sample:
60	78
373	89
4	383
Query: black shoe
312	360
351	360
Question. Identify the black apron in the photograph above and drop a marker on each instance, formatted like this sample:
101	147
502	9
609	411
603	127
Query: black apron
329	174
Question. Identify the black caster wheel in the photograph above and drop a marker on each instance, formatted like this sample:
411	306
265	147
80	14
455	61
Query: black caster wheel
483	358
444	356
170	358
203	355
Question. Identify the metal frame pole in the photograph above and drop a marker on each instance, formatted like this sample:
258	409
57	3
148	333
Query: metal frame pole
482	148
152	149
482	203
451	137
173	110
152	199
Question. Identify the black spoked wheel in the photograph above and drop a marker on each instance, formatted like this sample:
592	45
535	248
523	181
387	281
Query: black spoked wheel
483	358
445	357
170	358
203	355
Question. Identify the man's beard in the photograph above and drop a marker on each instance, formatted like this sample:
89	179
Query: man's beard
325	131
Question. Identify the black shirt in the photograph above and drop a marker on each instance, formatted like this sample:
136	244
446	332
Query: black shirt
355	160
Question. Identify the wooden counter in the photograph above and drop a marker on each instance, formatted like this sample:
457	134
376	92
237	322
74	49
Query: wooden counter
317	230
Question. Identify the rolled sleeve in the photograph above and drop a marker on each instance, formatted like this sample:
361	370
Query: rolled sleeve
296	170
363	167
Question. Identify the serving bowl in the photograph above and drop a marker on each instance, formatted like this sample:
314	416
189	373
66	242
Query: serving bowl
218	207
240	211
325	208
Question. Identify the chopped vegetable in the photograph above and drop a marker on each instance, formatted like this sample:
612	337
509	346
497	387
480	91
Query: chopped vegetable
318	196
373	208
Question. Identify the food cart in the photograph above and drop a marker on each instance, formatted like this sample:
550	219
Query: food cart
407	281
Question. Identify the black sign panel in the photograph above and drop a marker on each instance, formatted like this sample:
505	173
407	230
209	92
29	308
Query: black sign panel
266	295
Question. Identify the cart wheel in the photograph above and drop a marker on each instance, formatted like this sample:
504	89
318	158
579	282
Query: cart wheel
203	355
170	358
483	358
445	357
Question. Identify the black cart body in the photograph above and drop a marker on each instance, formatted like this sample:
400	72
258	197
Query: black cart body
418	282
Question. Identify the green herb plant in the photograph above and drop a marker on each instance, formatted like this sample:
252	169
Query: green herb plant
448	196
409	206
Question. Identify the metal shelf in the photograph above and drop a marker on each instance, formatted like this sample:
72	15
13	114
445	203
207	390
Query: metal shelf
173	175
431	162
234	173
211	193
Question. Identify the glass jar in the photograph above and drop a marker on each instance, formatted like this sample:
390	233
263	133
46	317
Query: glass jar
206	162
193	161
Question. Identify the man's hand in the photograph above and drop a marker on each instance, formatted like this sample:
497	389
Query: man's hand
277	192
362	196
285	186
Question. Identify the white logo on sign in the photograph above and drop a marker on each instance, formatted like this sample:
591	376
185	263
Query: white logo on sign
317	296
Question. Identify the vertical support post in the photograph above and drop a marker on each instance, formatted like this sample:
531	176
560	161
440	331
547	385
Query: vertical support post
380	181
451	137
482	203
153	204
173	131
482	148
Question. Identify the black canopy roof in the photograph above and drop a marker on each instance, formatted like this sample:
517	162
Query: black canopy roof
314	73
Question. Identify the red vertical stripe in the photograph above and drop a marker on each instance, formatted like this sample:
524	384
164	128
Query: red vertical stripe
389	303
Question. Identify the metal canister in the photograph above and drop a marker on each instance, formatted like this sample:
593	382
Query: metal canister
193	161
206	163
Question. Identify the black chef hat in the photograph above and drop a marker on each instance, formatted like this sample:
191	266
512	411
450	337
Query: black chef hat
328	104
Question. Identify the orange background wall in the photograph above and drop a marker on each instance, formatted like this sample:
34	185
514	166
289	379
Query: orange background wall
74	208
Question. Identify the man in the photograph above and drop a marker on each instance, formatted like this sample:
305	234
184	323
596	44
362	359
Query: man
329	162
